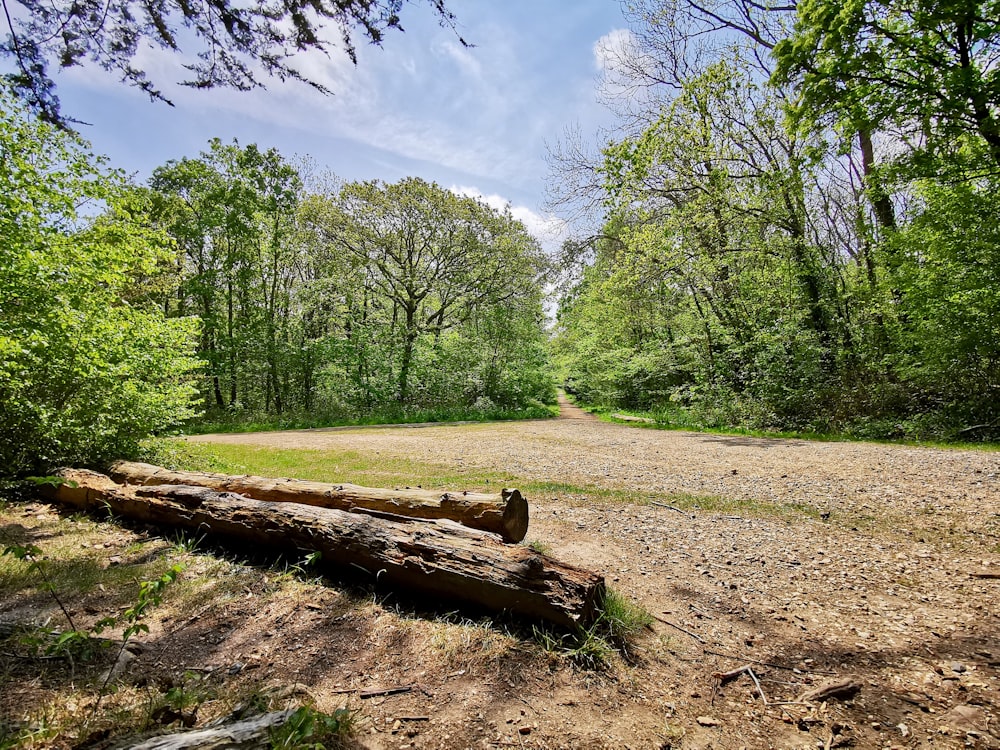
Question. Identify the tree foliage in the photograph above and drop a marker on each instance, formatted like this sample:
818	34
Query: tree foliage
229	43
362	298
929	68
805	272
88	365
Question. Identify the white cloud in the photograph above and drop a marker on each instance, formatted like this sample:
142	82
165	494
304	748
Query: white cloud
467	63
549	230
611	48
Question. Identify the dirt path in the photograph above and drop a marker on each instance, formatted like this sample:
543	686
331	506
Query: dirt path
809	561
569	410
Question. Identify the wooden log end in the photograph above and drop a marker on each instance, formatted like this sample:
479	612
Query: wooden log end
515	516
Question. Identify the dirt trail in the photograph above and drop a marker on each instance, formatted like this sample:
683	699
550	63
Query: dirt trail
809	561
569	410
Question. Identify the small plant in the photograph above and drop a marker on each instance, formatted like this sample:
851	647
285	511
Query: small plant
540	547
585	647
618	622
185	542
622	618
150	595
74	643
309	729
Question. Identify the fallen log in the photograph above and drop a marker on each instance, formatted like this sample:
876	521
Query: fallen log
505	514
436	557
248	734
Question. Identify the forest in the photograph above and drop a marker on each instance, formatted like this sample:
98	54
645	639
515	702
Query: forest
798	228
794	228
226	289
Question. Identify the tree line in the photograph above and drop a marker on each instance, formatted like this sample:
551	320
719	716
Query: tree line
234	284
798	223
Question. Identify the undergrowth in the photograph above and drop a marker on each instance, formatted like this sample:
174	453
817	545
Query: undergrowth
618	623
889	432
223	421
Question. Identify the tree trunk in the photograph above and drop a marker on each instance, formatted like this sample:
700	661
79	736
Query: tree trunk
505	514
438	558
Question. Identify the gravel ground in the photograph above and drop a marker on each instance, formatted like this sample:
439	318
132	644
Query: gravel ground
807	562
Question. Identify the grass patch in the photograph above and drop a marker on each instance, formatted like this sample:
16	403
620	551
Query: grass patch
376	470
217	421
680	421
614	632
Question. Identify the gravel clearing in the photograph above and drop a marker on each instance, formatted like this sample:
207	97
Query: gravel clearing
806	562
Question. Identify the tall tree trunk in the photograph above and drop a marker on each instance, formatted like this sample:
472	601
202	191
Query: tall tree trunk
885	214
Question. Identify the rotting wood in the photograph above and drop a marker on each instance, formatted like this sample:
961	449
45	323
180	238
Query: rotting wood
505	513
440	558
631	418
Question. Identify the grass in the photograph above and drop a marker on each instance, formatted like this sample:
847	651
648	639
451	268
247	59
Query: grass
213	422
95	568
375	470
678	420
613	632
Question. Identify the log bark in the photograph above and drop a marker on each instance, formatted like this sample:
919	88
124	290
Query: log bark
439	558
505	514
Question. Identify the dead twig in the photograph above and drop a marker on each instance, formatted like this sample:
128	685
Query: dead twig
763	663
723	677
678	627
376	692
671	507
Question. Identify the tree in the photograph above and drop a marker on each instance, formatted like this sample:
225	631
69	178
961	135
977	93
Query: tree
434	258
236	43
929	68
88	363
232	215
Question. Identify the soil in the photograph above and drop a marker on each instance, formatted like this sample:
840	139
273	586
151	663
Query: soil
806	563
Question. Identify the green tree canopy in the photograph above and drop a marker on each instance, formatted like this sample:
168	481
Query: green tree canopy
88	365
927	67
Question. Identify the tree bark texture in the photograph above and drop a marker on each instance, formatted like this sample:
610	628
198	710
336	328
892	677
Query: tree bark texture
439	558
248	734
505	514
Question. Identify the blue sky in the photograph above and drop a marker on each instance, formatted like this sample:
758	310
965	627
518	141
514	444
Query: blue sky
476	119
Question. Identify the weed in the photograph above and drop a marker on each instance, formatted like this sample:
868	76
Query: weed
186	542
613	631
309	729
584	646
540	547
622	618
